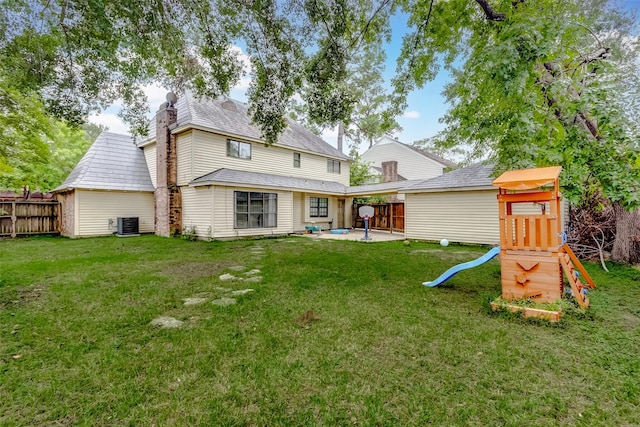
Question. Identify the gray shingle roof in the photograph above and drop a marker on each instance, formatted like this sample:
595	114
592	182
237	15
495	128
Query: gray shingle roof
231	176
384	187
476	175
113	162
231	117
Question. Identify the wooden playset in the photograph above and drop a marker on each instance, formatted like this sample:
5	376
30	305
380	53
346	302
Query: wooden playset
533	249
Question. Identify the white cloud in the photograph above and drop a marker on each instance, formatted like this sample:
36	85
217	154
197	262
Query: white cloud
411	114
156	95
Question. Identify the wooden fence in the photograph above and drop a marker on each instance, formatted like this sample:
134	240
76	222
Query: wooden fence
26	217
387	216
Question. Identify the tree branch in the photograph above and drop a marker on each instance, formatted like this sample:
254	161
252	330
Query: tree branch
489	12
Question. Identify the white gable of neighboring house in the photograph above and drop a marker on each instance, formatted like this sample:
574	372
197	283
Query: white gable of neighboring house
413	163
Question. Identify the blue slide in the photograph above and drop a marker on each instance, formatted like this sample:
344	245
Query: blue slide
465	265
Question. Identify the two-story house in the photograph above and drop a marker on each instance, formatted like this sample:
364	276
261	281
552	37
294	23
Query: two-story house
205	168
411	162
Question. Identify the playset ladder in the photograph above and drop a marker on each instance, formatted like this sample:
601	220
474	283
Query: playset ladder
575	283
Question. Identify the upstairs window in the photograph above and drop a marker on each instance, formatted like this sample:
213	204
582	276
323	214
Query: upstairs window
239	149
333	166
296	160
318	207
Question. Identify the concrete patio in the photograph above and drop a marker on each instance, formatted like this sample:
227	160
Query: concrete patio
358	234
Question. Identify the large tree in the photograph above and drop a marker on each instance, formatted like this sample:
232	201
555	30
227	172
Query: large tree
538	83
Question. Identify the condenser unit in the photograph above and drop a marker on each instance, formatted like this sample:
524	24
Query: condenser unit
128	226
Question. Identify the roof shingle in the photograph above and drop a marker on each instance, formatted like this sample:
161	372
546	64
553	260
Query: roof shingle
259	180
231	117
113	162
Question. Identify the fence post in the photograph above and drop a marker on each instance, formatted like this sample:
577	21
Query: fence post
14	219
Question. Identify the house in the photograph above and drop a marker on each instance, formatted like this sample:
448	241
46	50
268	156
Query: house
205	168
411	162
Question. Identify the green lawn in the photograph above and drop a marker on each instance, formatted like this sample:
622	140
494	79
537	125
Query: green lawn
335	333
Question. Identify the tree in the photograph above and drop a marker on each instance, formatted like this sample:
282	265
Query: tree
368	120
538	83
360	171
78	57
35	149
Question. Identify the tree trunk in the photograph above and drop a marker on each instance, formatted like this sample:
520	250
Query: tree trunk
626	247
340	136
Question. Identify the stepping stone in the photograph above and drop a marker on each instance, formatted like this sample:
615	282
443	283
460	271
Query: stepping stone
193	301
166	322
223	302
222	289
227	276
254	279
242	291
252	272
237	268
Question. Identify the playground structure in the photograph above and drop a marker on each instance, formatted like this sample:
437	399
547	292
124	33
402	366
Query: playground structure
533	248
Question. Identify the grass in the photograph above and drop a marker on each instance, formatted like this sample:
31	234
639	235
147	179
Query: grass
336	333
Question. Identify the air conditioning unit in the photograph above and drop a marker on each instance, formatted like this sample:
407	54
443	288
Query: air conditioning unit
128	226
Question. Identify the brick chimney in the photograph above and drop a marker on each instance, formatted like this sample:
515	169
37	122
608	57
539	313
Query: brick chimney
390	171
167	196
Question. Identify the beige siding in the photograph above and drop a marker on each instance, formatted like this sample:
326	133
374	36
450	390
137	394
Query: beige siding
94	209
223	214
324	222
197	210
458	216
200	153
184	147
464	216
298	212
150	157
411	165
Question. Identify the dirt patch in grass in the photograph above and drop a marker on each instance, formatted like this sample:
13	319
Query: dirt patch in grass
21	296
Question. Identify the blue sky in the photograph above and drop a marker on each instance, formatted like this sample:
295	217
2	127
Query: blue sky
425	106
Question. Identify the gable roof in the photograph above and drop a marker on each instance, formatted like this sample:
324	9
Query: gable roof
475	176
265	180
113	162
229	117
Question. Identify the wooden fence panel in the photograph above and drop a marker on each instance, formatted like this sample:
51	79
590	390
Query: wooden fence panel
386	216
21	218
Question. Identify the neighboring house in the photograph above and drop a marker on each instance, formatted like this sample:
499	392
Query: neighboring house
412	162
110	181
206	168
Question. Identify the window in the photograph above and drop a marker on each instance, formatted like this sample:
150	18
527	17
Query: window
333	166
318	207
255	210
296	160
239	149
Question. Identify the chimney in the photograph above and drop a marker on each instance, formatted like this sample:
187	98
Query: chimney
390	171
167	195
